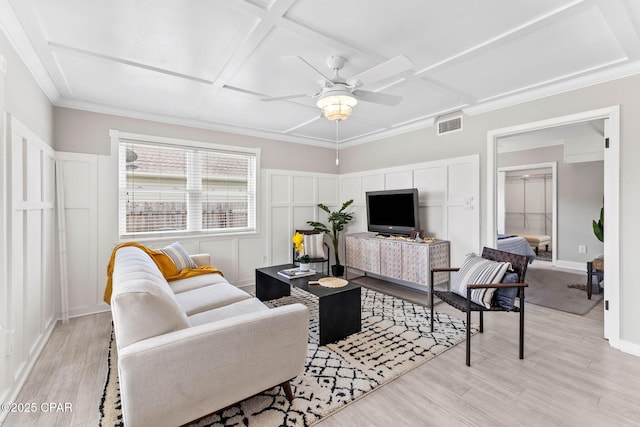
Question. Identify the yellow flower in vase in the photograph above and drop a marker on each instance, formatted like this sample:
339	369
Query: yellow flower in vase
298	241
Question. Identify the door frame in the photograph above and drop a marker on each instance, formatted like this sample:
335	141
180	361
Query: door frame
611	115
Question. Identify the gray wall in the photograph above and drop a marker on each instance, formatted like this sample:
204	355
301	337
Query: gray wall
23	97
86	132
580	191
424	145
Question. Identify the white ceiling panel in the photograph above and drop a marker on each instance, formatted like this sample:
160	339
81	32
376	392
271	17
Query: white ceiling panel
213	61
230	107
184	37
131	87
273	70
326	130
563	48
426	31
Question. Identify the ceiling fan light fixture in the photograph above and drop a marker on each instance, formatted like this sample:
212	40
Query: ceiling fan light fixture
337	107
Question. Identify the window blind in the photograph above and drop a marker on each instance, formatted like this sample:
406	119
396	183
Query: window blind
167	188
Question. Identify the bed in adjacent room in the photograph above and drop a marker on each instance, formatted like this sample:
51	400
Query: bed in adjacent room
516	245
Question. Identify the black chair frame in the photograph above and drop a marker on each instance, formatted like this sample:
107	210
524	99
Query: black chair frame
518	264
294	257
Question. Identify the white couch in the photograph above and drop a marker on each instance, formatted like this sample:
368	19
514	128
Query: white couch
197	345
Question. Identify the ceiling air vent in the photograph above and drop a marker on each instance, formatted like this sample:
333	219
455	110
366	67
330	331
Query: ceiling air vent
450	125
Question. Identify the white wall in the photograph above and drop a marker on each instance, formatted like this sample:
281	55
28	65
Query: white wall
448	194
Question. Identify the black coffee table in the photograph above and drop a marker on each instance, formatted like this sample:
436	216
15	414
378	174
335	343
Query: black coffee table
340	308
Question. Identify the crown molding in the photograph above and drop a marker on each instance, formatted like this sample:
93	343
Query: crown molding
180	121
12	29
614	73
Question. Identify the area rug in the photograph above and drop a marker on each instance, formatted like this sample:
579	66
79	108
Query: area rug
395	338
560	290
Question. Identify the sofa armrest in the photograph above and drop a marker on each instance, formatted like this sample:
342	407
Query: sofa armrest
183	375
201	259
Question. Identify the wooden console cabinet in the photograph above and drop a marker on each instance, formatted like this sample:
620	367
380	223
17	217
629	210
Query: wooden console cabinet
404	262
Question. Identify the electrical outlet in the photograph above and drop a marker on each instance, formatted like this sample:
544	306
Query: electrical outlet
582	249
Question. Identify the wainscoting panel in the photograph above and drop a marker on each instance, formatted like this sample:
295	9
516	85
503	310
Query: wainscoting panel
302	214
85	281
432	183
286	214
371	183
327	190
351	188
304	189
27	309
223	254
448	193
398	179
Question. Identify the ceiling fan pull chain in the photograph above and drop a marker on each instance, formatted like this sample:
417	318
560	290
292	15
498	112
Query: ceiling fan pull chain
337	149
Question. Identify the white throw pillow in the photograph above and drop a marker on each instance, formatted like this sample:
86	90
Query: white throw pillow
179	256
477	270
313	245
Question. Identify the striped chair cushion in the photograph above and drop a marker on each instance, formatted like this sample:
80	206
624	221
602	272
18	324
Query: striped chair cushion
313	245
179	256
477	270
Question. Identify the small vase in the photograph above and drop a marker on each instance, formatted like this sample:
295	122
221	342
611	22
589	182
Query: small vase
304	266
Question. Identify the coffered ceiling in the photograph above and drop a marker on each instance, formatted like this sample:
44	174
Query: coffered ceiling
209	63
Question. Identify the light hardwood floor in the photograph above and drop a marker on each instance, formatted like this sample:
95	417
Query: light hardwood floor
569	377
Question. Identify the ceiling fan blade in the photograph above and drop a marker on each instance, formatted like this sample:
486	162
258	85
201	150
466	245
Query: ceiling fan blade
327	79
299	95
379	72
282	98
377	97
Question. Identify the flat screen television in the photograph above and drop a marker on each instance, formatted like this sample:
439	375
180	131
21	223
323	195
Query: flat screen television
392	211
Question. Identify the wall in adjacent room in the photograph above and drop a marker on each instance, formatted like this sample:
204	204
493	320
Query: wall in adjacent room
580	192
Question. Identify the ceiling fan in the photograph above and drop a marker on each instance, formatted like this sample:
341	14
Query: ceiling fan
338	95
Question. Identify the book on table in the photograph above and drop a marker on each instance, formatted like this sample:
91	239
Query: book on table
294	273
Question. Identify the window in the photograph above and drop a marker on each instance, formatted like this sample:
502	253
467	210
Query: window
169	186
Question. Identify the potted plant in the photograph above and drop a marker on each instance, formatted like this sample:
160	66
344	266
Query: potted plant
304	259
598	227
337	220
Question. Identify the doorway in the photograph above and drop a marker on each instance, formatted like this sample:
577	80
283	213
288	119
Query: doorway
611	117
539	179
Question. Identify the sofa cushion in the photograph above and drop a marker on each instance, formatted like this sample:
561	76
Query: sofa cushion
142	304
179	256
195	282
209	297
236	309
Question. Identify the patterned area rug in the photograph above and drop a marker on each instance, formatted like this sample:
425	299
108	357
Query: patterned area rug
395	338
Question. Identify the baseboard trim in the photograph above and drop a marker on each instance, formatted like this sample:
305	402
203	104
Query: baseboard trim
573	265
626	347
14	391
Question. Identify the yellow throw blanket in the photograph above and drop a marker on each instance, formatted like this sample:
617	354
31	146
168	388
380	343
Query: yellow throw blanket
164	263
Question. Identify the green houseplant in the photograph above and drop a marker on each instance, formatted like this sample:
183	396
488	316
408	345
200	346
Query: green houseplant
598	227
337	220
